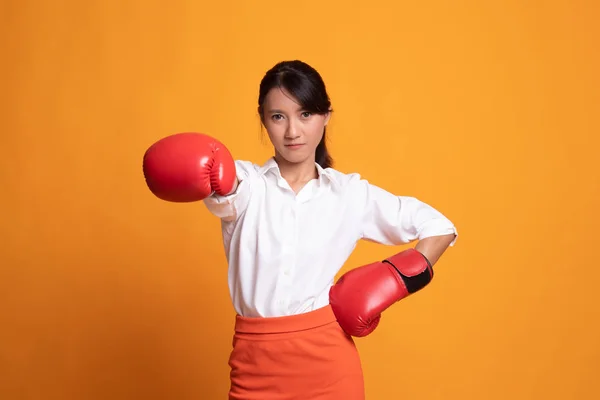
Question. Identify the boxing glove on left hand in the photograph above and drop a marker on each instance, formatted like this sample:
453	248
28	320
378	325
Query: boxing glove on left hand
360	296
187	167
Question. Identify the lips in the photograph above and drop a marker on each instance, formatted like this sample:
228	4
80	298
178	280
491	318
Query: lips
294	146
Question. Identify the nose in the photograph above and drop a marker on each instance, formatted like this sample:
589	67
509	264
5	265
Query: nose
292	132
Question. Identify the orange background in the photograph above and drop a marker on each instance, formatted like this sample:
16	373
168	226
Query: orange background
488	111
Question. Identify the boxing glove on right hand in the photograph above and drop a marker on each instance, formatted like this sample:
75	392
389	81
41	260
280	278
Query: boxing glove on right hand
187	167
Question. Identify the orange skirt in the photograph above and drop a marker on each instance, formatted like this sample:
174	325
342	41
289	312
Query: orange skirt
306	356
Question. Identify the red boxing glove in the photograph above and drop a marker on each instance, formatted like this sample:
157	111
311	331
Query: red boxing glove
187	167
362	294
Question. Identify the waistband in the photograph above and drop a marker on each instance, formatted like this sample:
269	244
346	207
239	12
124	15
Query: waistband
291	323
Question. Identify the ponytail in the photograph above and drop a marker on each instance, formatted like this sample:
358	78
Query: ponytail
322	156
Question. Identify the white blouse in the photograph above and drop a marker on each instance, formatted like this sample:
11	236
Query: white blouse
285	249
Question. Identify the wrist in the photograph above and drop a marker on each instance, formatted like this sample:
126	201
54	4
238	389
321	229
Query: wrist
413	268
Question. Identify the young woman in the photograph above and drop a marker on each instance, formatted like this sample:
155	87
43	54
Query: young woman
288	227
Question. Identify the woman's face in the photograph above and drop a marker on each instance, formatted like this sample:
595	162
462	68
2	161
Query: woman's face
294	132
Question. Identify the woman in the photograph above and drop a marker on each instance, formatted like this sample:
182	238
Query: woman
288	227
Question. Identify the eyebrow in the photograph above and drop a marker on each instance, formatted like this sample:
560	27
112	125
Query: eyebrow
278	111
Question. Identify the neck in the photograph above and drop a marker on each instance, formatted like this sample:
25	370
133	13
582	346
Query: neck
301	172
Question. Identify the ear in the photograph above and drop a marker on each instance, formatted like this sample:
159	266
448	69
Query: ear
327	117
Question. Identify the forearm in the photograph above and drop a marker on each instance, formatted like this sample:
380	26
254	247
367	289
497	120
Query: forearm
433	247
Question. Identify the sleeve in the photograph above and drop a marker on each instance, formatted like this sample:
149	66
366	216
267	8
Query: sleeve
394	220
230	207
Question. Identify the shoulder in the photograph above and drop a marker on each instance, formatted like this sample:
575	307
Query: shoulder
346	182
245	168
357	187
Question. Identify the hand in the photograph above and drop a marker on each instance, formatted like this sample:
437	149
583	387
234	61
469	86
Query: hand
188	167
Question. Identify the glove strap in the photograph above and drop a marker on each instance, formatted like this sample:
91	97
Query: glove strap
414	269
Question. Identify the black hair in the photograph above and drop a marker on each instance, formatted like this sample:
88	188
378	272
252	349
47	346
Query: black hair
305	84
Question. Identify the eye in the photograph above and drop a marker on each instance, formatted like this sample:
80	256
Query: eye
306	114
276	117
